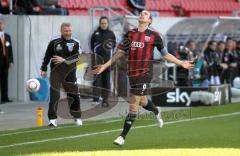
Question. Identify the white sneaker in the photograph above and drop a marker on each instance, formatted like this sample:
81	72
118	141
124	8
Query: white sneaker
119	141
53	123
159	118
78	122
95	103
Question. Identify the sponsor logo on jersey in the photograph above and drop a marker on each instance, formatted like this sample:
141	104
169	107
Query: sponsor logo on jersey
137	45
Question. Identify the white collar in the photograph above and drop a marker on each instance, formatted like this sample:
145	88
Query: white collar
1	32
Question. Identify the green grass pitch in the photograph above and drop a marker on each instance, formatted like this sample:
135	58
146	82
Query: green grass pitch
198	127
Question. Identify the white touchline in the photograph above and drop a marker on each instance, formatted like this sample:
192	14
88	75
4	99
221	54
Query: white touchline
116	130
111	121
62	127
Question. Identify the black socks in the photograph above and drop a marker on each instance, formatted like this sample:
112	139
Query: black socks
128	123
151	107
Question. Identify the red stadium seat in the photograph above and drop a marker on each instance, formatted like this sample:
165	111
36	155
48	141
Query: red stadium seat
104	3
194	7
62	3
166	14
5	3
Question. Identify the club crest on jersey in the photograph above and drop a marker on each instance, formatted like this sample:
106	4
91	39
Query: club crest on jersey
137	45
59	47
147	38
70	46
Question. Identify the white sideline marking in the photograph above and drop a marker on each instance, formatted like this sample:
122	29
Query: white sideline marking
116	130
36	130
111	121
62	127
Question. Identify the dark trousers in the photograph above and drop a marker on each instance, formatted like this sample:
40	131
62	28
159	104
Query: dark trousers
57	79
229	74
54	11
214	70
4	78
102	83
122	83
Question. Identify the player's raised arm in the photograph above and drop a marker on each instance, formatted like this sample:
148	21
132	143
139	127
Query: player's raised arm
169	57
115	57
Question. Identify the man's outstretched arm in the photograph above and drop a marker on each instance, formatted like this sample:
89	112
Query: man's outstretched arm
115	57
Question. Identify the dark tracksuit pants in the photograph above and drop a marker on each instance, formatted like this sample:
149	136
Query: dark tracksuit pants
102	82
57	79
229	75
4	78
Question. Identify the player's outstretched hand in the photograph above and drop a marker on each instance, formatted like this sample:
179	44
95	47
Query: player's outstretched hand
187	64
98	69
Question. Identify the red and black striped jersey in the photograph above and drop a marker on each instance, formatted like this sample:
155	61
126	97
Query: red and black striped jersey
139	47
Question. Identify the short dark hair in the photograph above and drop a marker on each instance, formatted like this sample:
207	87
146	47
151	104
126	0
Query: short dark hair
65	24
150	17
229	38
103	17
211	42
221	42
189	42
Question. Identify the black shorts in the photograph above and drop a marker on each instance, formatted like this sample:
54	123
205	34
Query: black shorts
140	85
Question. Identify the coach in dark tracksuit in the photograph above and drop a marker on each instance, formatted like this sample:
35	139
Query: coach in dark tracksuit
6	61
63	52
102	43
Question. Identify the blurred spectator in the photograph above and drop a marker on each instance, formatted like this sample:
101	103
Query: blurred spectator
182	52
229	59
238	56
201	45
37	7
192	46
179	10
4	7
172	47
30	7
49	3
51	7
212	58
238	46
200	73
220	49
234	45
183	75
